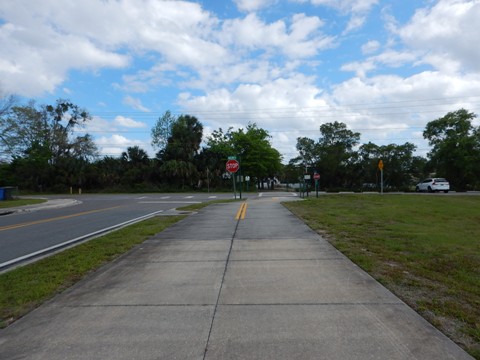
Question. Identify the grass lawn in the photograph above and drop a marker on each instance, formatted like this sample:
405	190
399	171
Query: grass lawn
426	249
19	202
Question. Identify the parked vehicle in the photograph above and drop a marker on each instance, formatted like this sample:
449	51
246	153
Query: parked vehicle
433	185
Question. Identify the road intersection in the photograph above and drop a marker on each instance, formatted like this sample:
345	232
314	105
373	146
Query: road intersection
242	280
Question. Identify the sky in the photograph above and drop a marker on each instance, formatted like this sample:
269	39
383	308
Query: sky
384	68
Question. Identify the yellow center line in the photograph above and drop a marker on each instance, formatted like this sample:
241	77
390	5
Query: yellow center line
16	226
241	212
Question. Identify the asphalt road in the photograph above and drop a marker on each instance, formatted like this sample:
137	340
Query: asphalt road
29	232
26	233
235	281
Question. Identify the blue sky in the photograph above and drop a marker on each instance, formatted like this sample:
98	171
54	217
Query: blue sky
384	68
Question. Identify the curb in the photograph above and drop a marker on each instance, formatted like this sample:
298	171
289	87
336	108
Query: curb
50	204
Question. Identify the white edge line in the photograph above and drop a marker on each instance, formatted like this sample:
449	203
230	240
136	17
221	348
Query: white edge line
169	202
83	237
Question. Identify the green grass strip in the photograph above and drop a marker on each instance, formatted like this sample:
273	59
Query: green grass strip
20	202
199	206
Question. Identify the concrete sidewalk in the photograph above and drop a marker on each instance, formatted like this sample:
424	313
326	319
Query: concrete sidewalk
213	287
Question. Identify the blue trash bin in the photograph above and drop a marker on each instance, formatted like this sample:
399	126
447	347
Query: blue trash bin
2	194
8	192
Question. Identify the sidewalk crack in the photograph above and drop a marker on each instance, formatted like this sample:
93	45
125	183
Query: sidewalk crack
221	287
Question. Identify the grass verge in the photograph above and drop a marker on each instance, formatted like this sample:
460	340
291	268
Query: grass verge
25	288
426	249
20	202
196	207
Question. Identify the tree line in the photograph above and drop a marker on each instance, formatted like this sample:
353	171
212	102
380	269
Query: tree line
41	151
343	164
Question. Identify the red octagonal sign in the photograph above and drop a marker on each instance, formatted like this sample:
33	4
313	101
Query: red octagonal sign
232	166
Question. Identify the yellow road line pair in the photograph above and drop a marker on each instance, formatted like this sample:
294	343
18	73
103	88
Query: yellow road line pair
241	212
16	226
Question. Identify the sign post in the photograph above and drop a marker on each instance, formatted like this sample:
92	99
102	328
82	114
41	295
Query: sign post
380	166
316	176
305	178
232	166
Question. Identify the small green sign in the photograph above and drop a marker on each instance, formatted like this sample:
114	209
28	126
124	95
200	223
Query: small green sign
232	158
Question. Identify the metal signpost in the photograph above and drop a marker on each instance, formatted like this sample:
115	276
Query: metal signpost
232	167
305	178
316	176
380	166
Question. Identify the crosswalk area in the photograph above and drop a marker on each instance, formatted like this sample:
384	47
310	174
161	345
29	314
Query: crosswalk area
186	197
201	197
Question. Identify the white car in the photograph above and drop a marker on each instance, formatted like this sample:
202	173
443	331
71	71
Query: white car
433	185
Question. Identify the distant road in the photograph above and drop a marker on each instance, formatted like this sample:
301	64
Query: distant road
24	234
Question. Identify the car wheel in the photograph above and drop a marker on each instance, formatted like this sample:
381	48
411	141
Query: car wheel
417	189
445	191
430	189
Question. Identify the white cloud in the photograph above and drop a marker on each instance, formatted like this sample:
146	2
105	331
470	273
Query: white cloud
98	125
396	58
355	22
389	58
115	144
135	103
113	140
299	39
282	95
446	31
282	105
144	80
353	6
36	57
358	9
370	47
404	102
250	71
360	68
252	5
247	68
42	42
128	122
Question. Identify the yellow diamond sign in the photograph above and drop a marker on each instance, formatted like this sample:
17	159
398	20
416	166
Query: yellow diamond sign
380	165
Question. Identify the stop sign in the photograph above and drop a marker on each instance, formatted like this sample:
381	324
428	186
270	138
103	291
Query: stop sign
316	176
232	166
